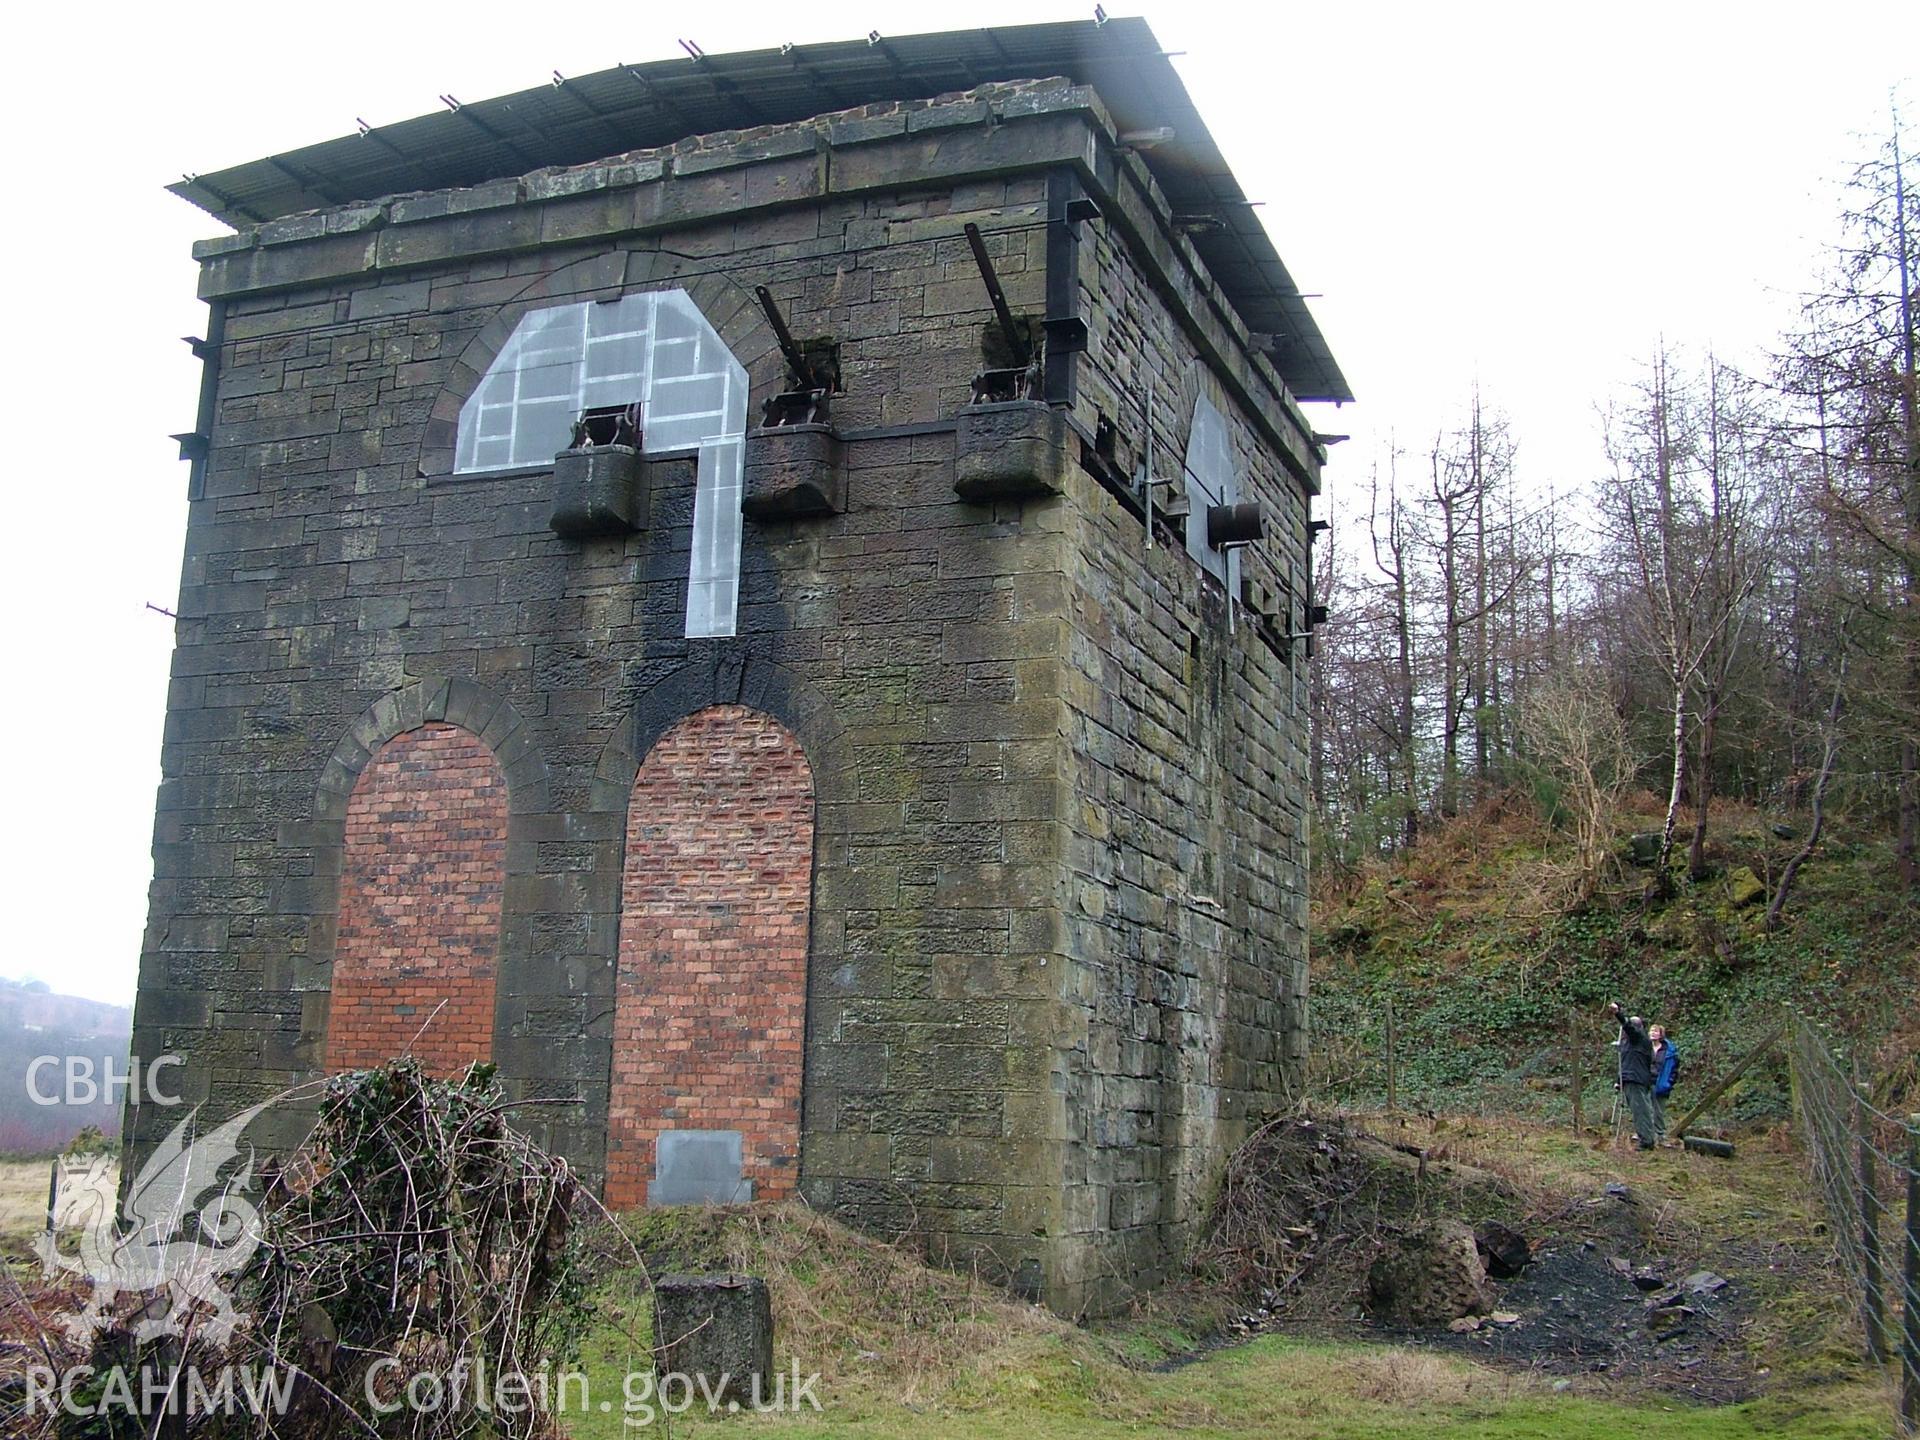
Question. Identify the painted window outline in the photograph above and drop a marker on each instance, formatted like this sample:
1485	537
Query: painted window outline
653	347
1212	479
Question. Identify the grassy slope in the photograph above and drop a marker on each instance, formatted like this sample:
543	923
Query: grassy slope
1484	972
1287	1390
1481	981
907	1351
1484	977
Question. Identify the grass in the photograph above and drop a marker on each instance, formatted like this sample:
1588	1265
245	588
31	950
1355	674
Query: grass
908	1351
904	1350
1280	1388
23	1198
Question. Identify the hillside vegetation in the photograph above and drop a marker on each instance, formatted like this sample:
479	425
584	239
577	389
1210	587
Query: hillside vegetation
1720	610
1491	981
903	1349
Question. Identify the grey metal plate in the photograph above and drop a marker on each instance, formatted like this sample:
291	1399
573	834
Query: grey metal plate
698	1167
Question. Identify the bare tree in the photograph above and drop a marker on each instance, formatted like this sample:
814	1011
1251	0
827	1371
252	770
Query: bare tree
1467	470
1677	518
1829	753
1573	730
1390	560
1853	368
1702	619
1647	520
1733	560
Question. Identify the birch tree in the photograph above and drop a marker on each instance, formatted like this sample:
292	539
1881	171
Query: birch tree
1679	525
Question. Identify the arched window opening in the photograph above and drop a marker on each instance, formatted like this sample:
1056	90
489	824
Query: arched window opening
709	1020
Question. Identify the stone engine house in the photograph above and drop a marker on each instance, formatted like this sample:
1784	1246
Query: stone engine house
766	596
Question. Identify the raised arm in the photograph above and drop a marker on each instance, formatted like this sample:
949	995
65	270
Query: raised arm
1634	1029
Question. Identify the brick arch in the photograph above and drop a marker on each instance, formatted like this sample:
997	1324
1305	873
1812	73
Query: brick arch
728	305
709	1021
725	674
466	705
422	885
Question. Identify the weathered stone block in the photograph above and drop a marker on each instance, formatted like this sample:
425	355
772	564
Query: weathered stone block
1744	887
1429	1275
1014	450
602	491
717	1330
794	470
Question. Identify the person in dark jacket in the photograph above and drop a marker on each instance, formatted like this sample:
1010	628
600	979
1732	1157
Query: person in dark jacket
1636	1075
1666	1074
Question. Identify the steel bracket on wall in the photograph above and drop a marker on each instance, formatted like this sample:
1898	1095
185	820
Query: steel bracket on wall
805	403
1048	374
1066	334
1021	379
197	443
1068	205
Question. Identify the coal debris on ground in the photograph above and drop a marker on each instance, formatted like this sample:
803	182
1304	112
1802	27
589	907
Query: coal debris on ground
1311	1206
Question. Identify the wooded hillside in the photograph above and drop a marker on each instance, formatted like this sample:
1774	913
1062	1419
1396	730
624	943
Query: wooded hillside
1727	606
1651	732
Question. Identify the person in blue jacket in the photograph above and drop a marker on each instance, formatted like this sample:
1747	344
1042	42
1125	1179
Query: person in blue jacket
1666	1074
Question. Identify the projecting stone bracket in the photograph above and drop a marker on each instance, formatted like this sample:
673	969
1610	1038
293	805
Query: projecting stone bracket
1012	450
1272	617
794	470
599	491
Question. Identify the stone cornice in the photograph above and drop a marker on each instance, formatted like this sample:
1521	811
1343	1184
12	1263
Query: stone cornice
996	130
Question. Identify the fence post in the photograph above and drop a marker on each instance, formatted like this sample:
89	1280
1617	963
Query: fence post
1579	1077
53	1196
1873	1287
1909	1310
1393	1098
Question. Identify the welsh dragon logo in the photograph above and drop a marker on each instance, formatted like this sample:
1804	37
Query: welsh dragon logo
186	1228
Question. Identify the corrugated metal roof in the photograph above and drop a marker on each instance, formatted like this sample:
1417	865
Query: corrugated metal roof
635	107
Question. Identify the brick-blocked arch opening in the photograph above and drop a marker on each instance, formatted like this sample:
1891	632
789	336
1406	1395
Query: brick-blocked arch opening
716	903
422	886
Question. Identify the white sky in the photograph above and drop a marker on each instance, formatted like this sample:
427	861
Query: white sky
1526	194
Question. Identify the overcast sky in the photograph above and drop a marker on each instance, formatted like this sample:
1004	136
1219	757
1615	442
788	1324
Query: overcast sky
1528	195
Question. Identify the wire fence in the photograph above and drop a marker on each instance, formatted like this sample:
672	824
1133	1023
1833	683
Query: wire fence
1865	1161
1866	1165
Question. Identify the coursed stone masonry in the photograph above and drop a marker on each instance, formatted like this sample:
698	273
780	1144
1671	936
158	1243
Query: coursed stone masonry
1055	954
